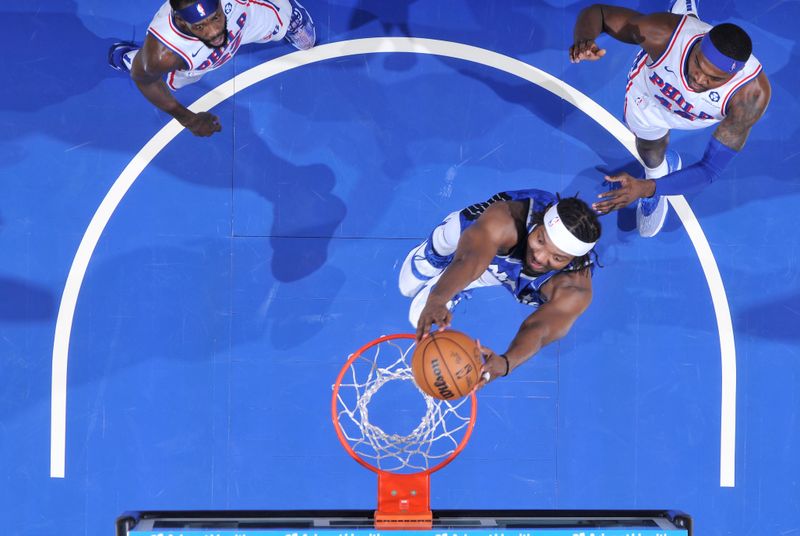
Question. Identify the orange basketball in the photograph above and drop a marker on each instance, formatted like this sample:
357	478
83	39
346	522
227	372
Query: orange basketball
445	366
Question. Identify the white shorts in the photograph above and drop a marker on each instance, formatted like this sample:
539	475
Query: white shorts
643	117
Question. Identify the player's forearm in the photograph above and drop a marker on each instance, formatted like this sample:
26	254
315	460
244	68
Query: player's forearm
161	97
589	24
697	176
531	337
617	22
463	270
537	331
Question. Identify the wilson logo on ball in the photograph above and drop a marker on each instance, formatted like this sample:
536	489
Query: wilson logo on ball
439	383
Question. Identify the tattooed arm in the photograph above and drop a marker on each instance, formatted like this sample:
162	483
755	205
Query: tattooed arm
745	108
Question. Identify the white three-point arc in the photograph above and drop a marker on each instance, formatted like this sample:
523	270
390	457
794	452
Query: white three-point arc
449	49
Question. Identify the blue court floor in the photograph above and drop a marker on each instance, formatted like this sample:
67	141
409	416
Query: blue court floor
174	310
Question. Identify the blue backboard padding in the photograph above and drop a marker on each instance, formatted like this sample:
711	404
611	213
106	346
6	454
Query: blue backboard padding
632	531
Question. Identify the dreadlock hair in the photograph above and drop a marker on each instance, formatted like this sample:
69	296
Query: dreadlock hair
581	221
732	41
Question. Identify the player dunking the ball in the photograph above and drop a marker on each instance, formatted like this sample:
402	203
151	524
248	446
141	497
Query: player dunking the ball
188	38
688	75
536	246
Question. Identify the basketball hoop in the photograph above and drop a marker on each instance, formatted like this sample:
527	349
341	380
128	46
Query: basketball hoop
403	462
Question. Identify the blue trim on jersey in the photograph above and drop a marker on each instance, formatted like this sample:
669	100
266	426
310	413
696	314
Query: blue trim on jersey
735	91
636	67
179	53
671	41
685	66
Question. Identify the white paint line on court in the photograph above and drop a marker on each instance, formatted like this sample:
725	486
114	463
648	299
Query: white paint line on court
77	272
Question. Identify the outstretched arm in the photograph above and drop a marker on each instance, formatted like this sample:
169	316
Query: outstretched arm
745	109
651	32
477	246
148	70
569	295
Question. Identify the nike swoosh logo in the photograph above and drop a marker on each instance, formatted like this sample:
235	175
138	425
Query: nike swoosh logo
669	70
198	52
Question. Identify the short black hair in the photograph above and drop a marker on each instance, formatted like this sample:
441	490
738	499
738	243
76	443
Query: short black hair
732	41
180	4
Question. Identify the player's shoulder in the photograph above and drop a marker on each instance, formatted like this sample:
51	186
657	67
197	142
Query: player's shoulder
751	99
502	222
580	279
157	59
504	213
571	290
659	27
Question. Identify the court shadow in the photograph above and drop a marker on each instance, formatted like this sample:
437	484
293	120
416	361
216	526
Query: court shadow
165	303
302	201
44	74
391	16
24	301
774	320
554	111
302	198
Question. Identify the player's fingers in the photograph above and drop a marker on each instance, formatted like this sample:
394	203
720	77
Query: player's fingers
422	329
611	194
446	320
588	50
600	52
603	207
481	383
575	52
486	377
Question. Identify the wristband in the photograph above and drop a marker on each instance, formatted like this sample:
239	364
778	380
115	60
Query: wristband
507	366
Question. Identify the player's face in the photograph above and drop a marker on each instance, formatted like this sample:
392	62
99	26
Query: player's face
701	74
213	30
542	256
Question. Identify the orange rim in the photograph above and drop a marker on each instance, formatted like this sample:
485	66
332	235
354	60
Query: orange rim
343	439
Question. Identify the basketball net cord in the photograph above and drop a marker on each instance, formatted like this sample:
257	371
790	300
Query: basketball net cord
433	439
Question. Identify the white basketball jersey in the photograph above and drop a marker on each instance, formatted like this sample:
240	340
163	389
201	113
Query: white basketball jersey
249	21
657	87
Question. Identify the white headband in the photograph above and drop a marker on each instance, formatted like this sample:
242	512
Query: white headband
561	237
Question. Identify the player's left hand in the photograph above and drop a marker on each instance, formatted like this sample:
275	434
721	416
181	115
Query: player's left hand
585	49
493	367
630	189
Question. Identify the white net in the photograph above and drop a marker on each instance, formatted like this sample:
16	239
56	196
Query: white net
436	436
